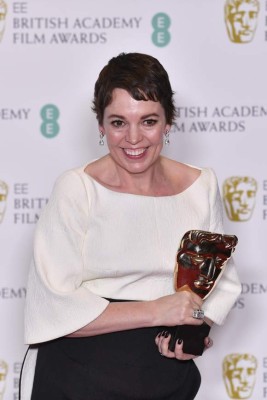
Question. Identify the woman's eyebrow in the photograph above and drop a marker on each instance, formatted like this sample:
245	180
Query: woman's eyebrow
142	117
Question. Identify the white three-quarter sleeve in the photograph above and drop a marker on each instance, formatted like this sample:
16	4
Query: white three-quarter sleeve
57	302
228	288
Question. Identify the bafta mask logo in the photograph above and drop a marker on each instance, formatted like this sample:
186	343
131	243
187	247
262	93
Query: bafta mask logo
241	18
239	197
3	13
3	376
3	199
239	374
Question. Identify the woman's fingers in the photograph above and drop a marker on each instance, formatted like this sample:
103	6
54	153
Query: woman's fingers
208	342
162	341
179	354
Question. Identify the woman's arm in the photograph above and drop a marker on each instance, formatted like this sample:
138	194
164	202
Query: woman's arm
176	309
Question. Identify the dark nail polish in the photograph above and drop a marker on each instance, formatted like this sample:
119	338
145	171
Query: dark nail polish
179	341
166	334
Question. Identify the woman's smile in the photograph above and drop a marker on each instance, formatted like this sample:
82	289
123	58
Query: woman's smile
135	153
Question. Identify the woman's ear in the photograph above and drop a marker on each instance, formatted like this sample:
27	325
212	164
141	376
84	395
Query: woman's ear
101	135
168	128
101	129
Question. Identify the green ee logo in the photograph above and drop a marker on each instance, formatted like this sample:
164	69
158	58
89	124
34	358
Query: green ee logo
50	127
161	23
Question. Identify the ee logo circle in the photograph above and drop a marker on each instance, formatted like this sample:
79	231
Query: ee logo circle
161	23
50	127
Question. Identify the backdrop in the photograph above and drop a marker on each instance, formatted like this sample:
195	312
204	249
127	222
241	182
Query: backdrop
216	56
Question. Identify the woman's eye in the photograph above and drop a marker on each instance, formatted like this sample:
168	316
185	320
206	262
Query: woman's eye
117	123
150	122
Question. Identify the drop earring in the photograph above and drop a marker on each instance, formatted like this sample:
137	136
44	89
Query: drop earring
101	140
167	139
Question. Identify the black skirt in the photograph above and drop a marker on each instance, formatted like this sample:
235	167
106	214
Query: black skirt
115	366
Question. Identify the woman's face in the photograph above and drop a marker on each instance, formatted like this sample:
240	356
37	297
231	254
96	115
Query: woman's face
134	131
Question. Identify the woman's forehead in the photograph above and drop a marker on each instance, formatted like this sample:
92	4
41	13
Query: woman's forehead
122	102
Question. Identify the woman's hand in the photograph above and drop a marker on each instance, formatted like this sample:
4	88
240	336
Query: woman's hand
177	309
162	341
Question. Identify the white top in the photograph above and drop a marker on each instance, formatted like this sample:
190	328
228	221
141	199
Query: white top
92	242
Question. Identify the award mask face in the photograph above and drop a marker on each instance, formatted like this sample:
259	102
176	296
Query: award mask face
239	373
3	375
201	258
239	195
241	19
3	198
3	12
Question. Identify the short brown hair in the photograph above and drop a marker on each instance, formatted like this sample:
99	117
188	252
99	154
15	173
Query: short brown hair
141	75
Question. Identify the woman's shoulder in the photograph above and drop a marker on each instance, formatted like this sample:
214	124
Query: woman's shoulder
68	178
69	184
100	169
68	197
185	175
178	167
180	174
188	170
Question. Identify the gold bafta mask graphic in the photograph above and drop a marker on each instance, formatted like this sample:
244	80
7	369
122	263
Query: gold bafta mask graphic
3	199
3	13
241	19
3	375
239	374
239	196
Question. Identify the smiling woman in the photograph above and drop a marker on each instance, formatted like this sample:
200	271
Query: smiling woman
134	130
101	281
135	113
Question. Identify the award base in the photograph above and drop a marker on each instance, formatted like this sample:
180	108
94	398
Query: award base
192	335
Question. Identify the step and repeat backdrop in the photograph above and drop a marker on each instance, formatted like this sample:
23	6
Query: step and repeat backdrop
216	56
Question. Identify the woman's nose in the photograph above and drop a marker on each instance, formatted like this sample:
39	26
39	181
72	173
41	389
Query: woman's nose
133	135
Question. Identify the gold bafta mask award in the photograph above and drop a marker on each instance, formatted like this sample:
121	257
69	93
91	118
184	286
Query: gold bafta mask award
241	18
201	260
3	13
239	197
3	377
3	199
239	375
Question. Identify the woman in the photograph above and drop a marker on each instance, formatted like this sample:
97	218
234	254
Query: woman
101	281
